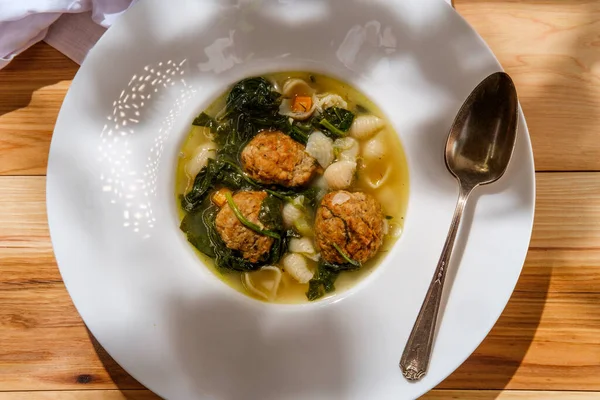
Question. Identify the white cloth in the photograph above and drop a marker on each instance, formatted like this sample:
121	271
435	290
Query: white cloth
26	22
71	26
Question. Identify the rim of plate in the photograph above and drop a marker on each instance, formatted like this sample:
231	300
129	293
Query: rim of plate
75	244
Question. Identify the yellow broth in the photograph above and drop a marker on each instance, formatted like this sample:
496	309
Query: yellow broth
392	195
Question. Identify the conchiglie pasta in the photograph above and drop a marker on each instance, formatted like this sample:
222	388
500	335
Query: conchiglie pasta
295	265
365	126
263	283
292	89
340	174
375	174
330	100
291	213
296	87
374	149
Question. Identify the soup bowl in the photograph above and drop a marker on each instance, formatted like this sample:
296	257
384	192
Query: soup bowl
172	323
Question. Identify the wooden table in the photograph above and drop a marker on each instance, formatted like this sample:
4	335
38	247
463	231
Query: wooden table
545	346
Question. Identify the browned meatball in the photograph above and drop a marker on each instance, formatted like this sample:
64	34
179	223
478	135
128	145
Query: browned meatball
253	246
353	221
272	157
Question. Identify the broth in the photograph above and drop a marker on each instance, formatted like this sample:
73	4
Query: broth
389	167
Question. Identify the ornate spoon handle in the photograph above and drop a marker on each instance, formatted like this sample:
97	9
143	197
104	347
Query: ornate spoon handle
416	355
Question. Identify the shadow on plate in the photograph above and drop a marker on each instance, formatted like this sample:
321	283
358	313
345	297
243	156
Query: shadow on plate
130	388
216	379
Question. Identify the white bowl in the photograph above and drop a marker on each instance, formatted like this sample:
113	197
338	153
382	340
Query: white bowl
167	319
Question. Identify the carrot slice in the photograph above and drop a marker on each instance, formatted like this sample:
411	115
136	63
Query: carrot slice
302	104
219	198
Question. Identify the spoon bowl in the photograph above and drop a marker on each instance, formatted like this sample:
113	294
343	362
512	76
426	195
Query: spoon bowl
482	137
479	147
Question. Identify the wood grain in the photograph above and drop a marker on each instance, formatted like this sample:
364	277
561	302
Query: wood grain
433	395
548	338
552	52
551	49
32	89
82	395
567	213
505	395
546	344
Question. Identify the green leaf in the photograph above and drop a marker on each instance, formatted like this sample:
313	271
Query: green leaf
323	281
255	96
205	120
246	222
197	233
270	213
335	121
346	257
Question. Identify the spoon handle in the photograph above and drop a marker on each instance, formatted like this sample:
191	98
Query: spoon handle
416	355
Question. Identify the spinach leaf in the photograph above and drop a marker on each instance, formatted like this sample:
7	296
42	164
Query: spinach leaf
334	121
205	120
246	222
221	171
312	196
323	281
252	105
280	246
197	233
253	96
296	133
270	213
204	181
346	257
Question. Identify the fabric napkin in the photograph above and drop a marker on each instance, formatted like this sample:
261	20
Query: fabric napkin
70	26
26	22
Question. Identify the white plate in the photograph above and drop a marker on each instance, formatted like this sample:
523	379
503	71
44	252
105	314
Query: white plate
168	320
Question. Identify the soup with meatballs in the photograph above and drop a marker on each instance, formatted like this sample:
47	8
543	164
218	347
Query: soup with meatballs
291	186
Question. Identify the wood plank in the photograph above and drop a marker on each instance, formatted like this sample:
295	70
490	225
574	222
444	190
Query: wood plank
541	342
551	53
23	222
46	346
548	337
32	88
551	49
567	212
82	395
504	395
561	271
433	395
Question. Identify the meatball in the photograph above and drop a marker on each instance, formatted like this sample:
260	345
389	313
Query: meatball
352	221
273	157
253	246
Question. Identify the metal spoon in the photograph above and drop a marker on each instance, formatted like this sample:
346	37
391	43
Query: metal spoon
479	147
